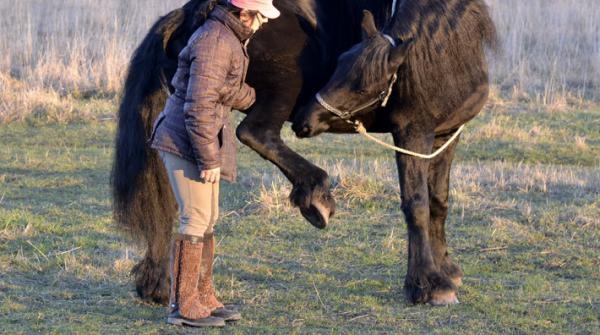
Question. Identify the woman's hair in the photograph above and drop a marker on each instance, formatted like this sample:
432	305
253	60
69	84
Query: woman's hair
233	9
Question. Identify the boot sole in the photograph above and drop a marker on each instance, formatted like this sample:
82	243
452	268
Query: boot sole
232	317
210	321
227	314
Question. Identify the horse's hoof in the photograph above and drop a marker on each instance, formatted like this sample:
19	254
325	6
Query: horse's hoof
457	281
159	295
316	214
444	298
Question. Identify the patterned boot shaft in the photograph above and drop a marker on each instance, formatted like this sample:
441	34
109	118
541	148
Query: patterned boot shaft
206	290
185	272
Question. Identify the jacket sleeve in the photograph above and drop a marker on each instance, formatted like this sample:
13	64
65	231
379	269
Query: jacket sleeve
209	63
244	98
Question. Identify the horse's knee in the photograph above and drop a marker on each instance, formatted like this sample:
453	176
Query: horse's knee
416	211
438	206
245	134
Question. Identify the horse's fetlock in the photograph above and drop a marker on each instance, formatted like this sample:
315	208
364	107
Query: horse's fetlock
300	195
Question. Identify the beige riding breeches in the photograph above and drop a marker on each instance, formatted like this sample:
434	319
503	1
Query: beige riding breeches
198	201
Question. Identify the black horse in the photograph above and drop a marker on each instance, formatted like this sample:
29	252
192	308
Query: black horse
442	83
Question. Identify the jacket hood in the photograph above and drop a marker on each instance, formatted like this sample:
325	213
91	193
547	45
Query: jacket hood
230	21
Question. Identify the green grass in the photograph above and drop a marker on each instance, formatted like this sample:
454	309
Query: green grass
524	223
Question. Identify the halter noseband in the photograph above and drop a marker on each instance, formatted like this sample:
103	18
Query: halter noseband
382	97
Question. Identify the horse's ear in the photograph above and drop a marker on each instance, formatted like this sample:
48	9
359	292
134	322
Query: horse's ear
368	25
398	53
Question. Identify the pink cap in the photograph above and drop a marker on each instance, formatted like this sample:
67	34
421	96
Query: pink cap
265	7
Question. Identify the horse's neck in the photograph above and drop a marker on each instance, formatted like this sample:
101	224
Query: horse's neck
340	20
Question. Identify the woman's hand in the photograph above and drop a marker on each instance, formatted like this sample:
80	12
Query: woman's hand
211	176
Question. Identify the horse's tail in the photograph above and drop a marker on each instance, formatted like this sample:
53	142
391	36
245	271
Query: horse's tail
143	204
139	198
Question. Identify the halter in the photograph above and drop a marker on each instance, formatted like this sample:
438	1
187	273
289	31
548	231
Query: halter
382	97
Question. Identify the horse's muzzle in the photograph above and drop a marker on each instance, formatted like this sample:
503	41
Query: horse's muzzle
307	122
301	125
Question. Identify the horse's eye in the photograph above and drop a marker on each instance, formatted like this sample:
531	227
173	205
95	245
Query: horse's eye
362	92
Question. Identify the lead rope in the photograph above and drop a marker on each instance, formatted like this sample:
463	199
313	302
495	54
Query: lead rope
360	128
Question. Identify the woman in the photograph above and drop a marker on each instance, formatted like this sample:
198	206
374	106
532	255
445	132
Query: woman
197	147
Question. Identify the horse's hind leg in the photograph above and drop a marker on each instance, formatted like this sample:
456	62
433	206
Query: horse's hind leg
151	274
438	182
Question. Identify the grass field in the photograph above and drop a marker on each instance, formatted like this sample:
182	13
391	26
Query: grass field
524	225
525	189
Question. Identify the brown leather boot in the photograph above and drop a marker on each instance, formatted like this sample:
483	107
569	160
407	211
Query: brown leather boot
185	307
206	289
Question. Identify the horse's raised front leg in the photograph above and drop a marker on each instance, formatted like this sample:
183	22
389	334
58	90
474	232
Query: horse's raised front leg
439	183
424	281
261	131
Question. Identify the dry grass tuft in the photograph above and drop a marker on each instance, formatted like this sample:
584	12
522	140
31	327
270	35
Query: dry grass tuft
273	197
357	180
505	230
580	143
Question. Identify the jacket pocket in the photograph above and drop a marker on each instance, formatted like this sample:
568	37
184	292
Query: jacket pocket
159	120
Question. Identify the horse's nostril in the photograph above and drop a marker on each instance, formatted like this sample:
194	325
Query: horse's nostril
302	131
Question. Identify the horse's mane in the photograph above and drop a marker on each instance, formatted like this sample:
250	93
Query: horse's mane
449	38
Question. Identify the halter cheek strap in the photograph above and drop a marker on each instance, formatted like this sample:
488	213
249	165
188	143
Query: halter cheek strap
383	96
390	39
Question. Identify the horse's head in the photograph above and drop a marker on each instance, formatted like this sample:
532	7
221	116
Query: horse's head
362	81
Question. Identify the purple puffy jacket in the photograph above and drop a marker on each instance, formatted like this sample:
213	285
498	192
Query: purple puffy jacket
209	82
